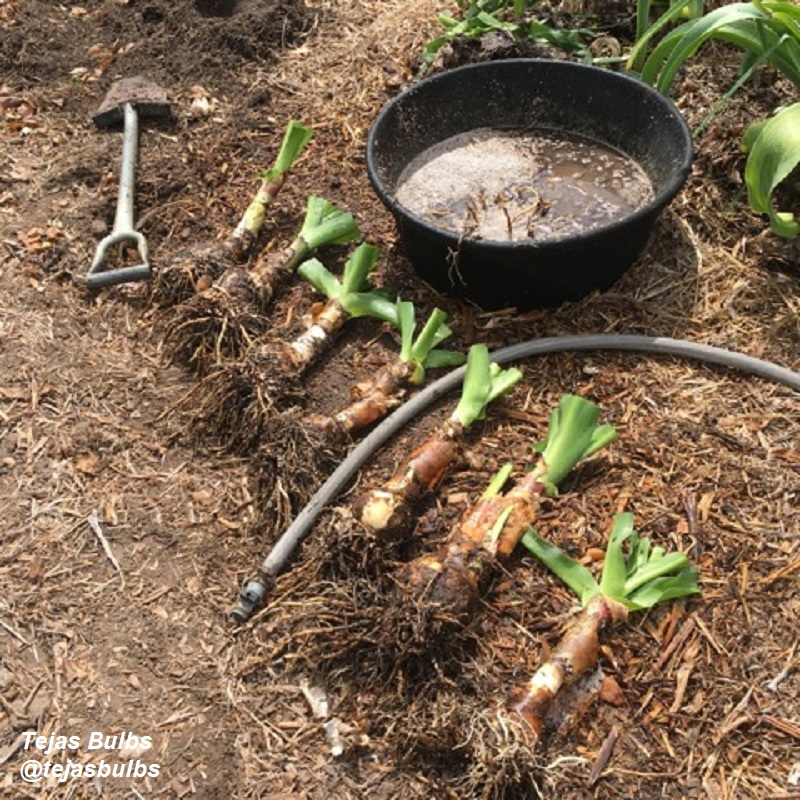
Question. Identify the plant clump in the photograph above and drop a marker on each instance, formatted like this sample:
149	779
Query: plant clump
234	401
220	323
299	448
638	579
196	268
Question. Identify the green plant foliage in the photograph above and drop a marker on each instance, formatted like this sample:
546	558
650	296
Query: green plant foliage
422	351
572	435
773	153
296	137
645	32
499	480
766	32
750	28
483	383
326	224
641	579
569	571
483	16
350	291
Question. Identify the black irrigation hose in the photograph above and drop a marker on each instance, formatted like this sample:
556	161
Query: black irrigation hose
254	591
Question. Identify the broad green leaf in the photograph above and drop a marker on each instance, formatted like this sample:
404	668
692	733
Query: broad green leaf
751	134
335	228
791	10
699	32
442	333
322	279
369	304
502	380
773	156
492	23
693	9
316	208
656	553
658	567
357	268
612	581
483	383
639	553
429	335
446	21
765	39
645	33
666	588
438	359
407	322
421	351
642	22
541	446
476	386
602	436
683	42
326	224
573	434
435	45
672	576
297	136
566	569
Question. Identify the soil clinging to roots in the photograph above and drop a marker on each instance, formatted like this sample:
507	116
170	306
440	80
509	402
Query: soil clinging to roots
210	330
191	270
232	404
292	462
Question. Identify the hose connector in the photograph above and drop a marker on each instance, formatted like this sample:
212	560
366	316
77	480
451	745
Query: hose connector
251	597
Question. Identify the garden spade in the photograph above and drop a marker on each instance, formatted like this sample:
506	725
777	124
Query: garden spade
125	102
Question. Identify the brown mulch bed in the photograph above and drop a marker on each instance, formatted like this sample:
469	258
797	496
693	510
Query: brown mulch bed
125	539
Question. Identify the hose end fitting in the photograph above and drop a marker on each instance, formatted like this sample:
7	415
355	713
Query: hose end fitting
251	598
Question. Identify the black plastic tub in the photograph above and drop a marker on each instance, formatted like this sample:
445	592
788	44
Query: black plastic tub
612	108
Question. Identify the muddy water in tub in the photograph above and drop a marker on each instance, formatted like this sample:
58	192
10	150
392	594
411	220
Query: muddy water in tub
535	185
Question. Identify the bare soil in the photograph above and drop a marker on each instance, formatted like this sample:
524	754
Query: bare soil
125	538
